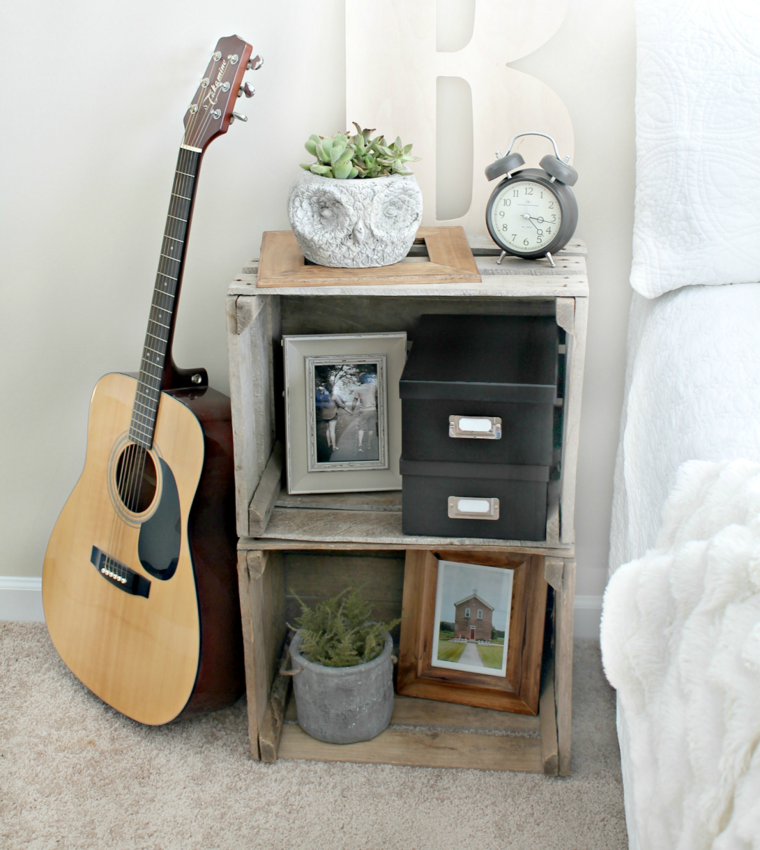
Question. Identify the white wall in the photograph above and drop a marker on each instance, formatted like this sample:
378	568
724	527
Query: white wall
93	102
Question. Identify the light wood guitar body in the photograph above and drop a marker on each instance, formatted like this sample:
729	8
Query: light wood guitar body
140	655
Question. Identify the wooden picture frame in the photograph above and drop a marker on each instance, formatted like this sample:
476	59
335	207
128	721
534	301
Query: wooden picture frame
449	260
518	691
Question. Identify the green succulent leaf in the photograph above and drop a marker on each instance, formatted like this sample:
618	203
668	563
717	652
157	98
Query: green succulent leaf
346	156
337	151
322	170
342	171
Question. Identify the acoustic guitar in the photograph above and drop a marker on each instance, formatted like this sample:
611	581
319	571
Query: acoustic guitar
139	583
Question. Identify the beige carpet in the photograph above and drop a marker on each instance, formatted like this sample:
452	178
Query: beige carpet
74	773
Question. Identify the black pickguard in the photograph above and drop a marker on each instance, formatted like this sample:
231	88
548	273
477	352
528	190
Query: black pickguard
161	535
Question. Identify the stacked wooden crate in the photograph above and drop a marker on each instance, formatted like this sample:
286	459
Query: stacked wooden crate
313	545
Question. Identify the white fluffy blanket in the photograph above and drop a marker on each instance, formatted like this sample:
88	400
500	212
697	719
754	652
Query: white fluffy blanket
681	644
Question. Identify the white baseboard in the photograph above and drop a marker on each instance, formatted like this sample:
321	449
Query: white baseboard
21	600
587	616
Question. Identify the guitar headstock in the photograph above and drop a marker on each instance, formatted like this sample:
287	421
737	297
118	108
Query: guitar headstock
210	111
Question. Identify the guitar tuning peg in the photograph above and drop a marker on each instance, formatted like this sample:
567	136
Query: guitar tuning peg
254	64
246	90
239	117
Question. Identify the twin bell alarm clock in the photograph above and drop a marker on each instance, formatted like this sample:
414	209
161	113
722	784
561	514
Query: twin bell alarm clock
532	213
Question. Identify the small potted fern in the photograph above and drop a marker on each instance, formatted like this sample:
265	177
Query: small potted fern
358	205
343	670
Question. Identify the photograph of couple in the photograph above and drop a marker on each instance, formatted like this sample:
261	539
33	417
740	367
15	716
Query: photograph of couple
346	398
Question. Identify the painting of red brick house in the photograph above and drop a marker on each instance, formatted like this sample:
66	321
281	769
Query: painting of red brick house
473	618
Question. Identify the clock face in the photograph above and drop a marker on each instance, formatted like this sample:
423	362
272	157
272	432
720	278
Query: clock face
525	216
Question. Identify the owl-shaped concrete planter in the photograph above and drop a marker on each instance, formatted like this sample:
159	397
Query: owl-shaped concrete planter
355	224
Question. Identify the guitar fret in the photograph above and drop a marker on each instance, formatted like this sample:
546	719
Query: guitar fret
167	275
148	419
147	407
176	218
173	259
181	196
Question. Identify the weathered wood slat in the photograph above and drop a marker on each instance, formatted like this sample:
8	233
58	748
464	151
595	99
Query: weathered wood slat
432	715
548	720
563	677
266	494
576	353
274	717
421	749
379	529
260	577
382	501
275	544
528	286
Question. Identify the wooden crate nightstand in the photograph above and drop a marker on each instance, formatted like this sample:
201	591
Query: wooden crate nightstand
312	545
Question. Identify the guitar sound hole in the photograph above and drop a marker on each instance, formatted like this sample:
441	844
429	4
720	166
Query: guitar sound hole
136	479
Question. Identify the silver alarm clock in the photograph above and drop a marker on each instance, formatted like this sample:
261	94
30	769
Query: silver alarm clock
532	213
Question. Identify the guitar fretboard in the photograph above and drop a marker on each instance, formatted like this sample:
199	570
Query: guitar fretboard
165	295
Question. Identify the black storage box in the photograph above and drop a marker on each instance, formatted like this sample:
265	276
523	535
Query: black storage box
478	396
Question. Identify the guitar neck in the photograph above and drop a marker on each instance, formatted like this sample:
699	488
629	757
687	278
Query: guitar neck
158	338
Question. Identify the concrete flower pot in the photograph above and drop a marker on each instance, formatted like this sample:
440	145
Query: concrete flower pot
343	705
355	224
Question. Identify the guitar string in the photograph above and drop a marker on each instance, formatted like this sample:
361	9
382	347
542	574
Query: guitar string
135	456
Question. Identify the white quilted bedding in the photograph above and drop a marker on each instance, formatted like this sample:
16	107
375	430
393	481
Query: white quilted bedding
698	144
692	392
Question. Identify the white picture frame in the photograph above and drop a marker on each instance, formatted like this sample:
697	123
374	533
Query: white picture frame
366	443
483	588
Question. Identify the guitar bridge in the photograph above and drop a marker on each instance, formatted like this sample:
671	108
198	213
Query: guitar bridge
119	574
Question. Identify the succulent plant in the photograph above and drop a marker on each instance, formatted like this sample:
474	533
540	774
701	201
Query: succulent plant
345	157
339	632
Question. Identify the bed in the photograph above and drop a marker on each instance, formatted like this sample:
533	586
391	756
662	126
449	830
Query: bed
691	416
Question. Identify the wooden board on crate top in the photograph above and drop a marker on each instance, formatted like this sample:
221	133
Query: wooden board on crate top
449	260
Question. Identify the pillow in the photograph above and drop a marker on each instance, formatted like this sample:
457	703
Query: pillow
697	216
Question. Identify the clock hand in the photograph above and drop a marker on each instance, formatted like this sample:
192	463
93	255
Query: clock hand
531	220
